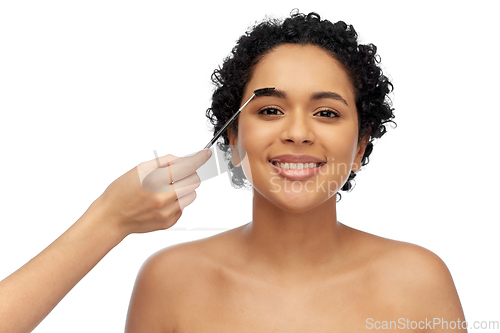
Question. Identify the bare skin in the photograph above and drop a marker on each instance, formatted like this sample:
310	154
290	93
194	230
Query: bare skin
294	268
210	286
139	201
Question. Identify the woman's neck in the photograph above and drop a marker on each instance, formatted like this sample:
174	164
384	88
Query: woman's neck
292	243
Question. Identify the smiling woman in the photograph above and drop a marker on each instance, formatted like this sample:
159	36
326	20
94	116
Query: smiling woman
308	121
294	267
358	63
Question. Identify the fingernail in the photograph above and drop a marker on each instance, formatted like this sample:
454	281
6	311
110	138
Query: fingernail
209	153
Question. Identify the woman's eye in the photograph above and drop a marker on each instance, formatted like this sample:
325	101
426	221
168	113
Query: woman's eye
323	113
328	113
269	111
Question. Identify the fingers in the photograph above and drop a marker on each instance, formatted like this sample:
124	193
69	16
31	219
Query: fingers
173	204
163	161
173	211
145	169
186	166
186	185
134	210
174	170
186	200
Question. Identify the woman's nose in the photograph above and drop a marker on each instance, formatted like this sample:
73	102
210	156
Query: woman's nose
297	128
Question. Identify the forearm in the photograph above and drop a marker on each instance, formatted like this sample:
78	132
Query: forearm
29	294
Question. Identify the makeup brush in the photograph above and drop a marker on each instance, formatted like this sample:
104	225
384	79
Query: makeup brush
257	92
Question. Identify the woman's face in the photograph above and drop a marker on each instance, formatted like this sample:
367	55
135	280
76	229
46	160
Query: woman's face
311	112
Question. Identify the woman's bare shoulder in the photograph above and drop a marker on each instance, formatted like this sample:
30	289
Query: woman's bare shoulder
178	258
411	275
399	258
392	253
171	281
179	261
201	248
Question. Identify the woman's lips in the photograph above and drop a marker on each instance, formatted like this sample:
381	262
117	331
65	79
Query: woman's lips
296	174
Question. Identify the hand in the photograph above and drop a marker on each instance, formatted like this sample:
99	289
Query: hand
145	199
141	200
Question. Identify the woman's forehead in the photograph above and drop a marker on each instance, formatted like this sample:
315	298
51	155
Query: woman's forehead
300	68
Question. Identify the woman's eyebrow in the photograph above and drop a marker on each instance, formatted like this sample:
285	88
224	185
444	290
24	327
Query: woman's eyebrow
273	92
328	94
315	96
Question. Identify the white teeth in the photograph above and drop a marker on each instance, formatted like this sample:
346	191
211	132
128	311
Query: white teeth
296	166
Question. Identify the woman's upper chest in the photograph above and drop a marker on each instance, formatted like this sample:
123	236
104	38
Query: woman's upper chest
229	302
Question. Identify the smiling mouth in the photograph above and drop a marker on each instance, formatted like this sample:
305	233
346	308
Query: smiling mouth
296	171
296	166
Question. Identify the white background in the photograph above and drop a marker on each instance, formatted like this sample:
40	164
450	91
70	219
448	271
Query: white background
88	89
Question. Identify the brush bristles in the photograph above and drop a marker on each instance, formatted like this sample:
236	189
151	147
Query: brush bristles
263	91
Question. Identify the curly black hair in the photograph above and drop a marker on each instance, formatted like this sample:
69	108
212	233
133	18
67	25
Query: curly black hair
360	62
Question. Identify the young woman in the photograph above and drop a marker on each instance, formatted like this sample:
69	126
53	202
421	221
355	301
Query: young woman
294	267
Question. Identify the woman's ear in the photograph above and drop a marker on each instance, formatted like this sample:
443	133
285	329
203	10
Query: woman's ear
356	164
233	143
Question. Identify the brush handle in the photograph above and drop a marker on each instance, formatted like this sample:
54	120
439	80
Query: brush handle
218	134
